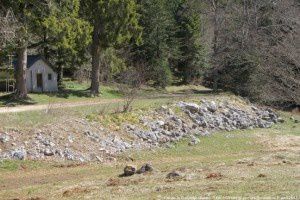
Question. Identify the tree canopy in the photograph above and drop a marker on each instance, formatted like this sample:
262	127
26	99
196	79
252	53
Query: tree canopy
114	22
248	47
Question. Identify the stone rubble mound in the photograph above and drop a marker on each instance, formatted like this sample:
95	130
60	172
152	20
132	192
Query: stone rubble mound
223	116
200	120
85	141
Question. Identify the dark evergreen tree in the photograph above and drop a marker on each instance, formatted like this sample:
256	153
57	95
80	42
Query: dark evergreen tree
51	24
193	58
66	35
159	47
114	22
29	14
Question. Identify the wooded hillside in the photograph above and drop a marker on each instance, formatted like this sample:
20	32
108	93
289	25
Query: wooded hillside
249	47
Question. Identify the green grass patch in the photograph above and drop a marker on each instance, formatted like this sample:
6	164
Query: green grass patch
218	147
71	92
15	165
34	119
219	152
289	127
119	118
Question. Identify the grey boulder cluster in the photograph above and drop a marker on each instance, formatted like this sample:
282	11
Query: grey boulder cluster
224	116
40	147
199	120
161	126
71	140
86	141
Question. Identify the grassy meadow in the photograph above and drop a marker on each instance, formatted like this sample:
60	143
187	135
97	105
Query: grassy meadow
250	163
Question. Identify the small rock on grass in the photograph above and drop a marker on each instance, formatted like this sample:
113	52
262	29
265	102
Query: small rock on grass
145	168
194	141
4	138
214	176
280	120
174	175
19	154
261	176
129	170
286	162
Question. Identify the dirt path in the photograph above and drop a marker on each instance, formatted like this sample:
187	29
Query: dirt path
25	108
55	106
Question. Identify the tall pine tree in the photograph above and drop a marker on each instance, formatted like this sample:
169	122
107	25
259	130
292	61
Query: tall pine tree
193	56
66	35
158	47
46	23
27	13
114	22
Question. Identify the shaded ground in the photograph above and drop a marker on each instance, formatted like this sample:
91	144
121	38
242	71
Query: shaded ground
77	95
261	163
72	92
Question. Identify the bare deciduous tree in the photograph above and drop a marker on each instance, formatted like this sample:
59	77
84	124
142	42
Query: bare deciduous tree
129	84
8	27
256	49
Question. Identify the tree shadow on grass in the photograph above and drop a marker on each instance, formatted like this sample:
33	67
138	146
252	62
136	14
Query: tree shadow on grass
195	91
67	93
10	100
84	93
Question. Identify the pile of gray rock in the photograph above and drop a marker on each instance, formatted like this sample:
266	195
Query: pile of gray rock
38	148
225	116
85	141
200	120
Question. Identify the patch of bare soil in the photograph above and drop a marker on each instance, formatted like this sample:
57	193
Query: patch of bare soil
75	191
32	198
55	106
214	176
70	165
280	150
21	179
114	182
289	143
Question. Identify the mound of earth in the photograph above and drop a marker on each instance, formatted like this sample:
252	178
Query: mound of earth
85	141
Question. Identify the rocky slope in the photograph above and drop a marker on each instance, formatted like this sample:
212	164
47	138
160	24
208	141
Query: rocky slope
84	141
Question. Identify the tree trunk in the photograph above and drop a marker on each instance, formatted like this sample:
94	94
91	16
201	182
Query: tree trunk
215	40
215	81
96	53
216	26
20	74
46	48
60	74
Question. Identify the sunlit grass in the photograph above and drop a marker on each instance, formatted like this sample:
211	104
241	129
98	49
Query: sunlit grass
72	92
219	152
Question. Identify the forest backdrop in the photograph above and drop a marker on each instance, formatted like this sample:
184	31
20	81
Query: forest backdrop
249	47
